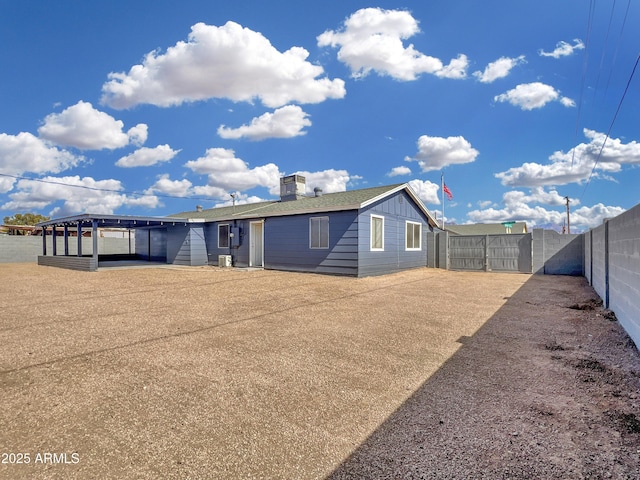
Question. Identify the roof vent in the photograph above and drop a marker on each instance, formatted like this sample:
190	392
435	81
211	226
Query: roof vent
292	187
198	208
317	192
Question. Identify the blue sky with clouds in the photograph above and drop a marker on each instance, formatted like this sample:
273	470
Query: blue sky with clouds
152	107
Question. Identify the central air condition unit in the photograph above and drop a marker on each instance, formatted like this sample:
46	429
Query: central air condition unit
224	260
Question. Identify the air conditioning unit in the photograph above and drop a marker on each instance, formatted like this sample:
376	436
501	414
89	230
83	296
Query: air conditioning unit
224	260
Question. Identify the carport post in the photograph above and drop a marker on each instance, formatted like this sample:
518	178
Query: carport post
44	241
54	247
94	237
79	238
66	240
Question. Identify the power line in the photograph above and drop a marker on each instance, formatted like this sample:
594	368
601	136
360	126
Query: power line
611	126
97	189
615	55
592	6
604	48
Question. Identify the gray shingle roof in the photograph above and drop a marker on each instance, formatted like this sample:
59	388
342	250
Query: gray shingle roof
349	200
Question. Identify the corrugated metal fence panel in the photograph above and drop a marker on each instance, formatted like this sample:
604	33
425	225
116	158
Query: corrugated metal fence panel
510	253
466	252
502	253
525	259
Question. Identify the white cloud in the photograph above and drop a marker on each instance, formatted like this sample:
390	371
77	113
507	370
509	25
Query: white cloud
86	128
576	165
498	69
240	199
563	49
286	122
435	153
222	62
397	171
456	69
329	181
526	207
166	186
210	191
138	134
226	171
145	157
93	196
590	217
519	206
6	184
427	191
537	195
371	40
528	96
534	174
567	102
483	204
26	153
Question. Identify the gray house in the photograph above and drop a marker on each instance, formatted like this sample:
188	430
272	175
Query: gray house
363	232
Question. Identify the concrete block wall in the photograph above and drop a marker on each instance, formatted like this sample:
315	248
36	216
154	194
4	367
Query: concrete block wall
556	254
614	267
595	270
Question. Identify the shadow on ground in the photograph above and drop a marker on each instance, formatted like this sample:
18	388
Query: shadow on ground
547	388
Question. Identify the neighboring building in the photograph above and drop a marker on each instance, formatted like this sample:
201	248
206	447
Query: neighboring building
487	228
363	232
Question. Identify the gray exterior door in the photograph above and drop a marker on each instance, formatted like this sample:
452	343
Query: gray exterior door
499	253
256	244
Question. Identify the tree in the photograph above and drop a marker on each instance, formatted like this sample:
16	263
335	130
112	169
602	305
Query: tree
25	219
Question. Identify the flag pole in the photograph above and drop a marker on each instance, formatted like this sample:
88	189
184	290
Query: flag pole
442	191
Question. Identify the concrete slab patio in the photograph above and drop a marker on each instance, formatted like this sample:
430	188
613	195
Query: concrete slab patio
201	372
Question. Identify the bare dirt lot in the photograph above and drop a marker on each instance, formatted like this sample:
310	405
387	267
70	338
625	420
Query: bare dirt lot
220	373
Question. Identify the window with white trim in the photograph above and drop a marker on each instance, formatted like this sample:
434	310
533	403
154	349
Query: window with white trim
377	233
319	232
223	235
413	236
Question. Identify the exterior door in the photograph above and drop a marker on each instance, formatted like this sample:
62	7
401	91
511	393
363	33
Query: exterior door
256	244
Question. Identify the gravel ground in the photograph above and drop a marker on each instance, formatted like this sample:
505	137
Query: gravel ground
222	373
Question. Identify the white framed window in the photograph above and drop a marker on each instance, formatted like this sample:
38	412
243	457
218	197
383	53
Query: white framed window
377	233
319	232
413	237
223	235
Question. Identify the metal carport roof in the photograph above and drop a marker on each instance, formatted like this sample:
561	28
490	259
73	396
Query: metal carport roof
116	221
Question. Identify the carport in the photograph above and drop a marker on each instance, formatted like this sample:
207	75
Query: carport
88	222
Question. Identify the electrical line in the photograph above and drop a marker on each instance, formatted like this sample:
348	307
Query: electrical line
611	126
110	190
615	55
592	7
604	49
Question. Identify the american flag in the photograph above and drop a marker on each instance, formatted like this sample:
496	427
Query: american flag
447	192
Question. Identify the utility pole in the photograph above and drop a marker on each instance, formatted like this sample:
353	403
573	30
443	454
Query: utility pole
568	216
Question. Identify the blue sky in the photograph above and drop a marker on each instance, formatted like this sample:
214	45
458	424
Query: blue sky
153	107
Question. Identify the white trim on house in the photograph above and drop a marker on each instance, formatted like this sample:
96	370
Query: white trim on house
371	234
413	248
228	237
254	259
322	235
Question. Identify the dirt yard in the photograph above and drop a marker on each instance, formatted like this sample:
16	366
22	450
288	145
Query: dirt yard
220	373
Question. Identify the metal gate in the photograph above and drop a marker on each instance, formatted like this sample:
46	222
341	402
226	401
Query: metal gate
499	253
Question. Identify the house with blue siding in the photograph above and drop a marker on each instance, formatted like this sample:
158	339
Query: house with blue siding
363	232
